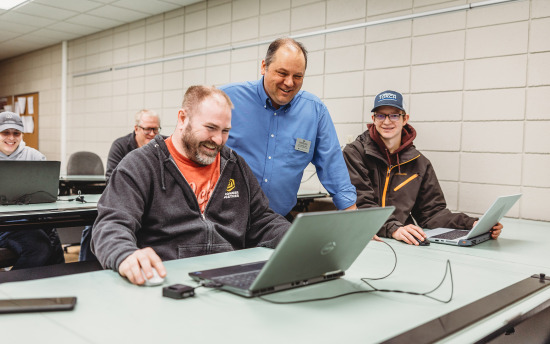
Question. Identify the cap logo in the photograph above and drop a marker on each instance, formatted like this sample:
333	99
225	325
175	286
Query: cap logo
387	96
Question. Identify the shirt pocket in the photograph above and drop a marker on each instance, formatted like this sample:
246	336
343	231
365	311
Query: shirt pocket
406	181
296	157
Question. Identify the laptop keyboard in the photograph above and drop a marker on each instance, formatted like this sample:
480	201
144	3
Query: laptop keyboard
452	235
242	280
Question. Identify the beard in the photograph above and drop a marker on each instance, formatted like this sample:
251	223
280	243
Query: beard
192	147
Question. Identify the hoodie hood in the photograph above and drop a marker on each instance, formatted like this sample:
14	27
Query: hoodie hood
16	155
408	134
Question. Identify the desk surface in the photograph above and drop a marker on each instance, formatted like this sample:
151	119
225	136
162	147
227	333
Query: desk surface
109	309
82	177
64	202
66	212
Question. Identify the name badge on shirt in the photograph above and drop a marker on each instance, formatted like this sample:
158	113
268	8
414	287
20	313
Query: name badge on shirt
302	145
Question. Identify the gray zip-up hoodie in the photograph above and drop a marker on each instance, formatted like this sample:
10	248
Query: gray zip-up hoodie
148	203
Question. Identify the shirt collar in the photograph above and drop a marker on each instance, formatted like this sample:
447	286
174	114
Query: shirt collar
266	101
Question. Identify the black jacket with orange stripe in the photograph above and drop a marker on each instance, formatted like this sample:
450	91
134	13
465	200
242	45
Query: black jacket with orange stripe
405	180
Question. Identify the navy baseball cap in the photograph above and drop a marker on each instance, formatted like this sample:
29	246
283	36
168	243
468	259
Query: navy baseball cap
10	120
389	98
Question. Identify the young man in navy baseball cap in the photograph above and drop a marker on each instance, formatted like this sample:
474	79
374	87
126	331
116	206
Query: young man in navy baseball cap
387	169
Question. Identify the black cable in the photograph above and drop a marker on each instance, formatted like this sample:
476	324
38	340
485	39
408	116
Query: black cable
316	299
308	178
394	263
425	294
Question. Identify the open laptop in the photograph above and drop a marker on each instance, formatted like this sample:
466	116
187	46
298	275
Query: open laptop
481	231
25	182
318	247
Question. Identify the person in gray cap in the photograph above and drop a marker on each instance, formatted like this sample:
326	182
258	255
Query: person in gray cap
34	247
12	146
387	169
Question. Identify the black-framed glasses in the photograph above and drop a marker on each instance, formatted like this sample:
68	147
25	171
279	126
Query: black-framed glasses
394	117
149	130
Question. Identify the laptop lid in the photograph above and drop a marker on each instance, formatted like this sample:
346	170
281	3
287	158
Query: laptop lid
26	182
481	231
493	215
318	246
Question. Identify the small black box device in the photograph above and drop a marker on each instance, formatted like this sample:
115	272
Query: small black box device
178	291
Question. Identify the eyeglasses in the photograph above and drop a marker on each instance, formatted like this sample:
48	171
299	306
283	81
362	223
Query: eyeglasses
149	130
394	117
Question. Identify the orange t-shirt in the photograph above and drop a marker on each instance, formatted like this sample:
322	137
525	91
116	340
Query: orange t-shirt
202	179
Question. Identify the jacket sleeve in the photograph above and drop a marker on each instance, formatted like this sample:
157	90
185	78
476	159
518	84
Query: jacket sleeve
366	195
266	228
430	209
116	153
120	209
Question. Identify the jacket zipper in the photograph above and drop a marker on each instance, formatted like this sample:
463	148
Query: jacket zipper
208	225
388	179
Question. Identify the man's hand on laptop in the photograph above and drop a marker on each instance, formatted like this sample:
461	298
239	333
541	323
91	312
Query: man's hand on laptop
408	234
144	259
495	232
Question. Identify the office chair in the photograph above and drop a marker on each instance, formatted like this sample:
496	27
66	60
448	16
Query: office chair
81	163
85	163
7	257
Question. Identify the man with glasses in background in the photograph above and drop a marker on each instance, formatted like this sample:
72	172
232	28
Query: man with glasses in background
387	169
147	126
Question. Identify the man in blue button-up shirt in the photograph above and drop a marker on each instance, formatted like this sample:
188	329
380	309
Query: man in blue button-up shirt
279	130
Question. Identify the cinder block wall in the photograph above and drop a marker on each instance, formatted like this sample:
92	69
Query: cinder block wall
476	82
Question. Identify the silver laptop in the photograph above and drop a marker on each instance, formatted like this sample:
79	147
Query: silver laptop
26	182
481	231
318	247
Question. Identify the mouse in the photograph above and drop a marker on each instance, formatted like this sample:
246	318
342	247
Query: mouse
426	242
153	281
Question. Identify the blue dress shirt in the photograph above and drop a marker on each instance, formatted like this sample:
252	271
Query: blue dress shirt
278	144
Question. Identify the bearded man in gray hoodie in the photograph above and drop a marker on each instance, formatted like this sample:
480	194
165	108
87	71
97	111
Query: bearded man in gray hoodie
183	196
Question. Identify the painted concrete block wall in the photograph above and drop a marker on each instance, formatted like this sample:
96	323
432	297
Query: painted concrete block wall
39	71
476	82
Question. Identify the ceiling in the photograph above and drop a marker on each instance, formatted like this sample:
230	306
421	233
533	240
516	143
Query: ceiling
41	23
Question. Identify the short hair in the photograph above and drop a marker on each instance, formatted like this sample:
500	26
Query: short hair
146	112
279	42
196	94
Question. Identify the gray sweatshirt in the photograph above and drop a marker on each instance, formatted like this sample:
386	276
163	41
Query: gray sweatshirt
23	153
148	203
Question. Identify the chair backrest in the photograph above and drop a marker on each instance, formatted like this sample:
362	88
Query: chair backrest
85	163
7	257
